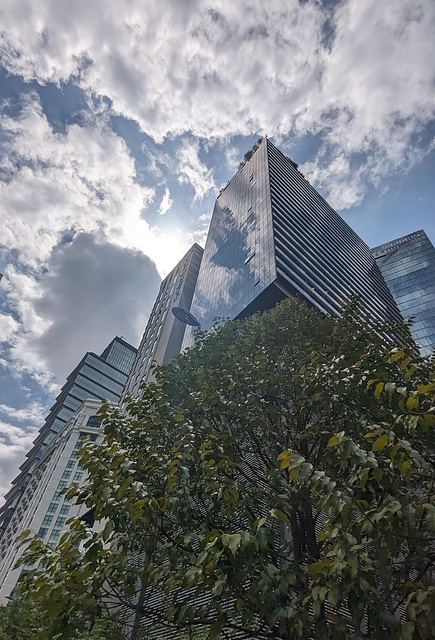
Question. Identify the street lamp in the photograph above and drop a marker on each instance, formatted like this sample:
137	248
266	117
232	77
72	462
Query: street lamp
184	316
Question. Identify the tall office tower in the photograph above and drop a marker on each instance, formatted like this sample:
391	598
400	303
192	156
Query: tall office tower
408	267
273	236
164	333
43	509
101	377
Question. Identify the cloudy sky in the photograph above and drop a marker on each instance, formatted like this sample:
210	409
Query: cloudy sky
120	121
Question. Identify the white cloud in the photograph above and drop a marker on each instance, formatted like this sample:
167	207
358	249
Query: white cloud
166	202
232	156
361	73
71	186
192	171
34	413
8	326
61	183
14	443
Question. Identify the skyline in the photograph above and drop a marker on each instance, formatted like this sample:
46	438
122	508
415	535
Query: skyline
117	132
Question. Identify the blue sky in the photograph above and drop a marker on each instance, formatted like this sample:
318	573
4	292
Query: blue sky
120	122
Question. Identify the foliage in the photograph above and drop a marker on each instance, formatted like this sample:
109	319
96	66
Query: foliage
23	619
19	621
277	480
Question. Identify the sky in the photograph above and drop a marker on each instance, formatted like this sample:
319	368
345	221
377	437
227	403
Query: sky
119	122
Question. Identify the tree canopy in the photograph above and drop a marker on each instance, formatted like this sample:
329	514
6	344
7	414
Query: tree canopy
276	481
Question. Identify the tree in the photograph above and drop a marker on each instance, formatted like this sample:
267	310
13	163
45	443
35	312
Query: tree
277	480
19	621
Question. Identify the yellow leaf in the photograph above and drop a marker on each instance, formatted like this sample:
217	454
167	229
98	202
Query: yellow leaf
370	382
294	472
404	468
286	462
364	480
378	390
405	363
332	442
410	373
283	455
425	388
397	355
380	443
373	434
412	403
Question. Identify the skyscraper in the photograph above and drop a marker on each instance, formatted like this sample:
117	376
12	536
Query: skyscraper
46	510
273	236
408	267
101	377
164	333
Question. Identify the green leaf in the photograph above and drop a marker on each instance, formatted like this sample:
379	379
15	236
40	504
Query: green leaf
216	628
277	513
108	529
258	523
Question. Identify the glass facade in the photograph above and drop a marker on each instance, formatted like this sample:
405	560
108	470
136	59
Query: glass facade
102	377
408	266
273	236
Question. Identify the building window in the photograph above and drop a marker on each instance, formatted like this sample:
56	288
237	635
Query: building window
62	484
52	507
64	510
66	474
47	520
93	421
42	532
78	476
55	534
59	522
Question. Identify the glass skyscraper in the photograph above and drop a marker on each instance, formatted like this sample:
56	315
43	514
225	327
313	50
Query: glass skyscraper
273	236
102	377
408	267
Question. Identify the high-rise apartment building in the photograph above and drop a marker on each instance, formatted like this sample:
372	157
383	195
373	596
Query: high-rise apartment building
164	333
43	509
408	267
102	377
273	236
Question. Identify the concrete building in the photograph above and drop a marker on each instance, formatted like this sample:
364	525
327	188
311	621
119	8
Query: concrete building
164	333
42	509
408	267
102	377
